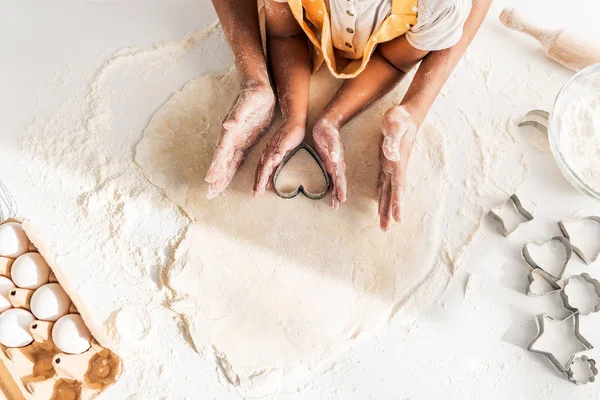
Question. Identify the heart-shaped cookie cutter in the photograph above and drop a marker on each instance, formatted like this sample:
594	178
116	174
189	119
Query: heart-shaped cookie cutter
577	250
533	264
494	214
301	188
549	279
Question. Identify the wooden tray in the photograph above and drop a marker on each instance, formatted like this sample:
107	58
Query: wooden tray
41	371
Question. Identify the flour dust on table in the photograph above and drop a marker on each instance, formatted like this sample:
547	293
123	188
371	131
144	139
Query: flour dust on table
78	182
275	288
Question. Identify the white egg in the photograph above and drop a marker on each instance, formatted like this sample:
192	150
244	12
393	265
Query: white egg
70	335
50	302
14	327
6	285
30	271
13	240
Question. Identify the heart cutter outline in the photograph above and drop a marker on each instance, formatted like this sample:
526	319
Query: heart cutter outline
557	364
578	251
565	297
546	277
531	262
592	366
520	209
300	189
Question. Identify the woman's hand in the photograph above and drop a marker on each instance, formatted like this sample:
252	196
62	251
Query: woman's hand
399	127
286	138
250	116
329	147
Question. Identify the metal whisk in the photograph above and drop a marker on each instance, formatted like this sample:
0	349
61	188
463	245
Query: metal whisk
8	205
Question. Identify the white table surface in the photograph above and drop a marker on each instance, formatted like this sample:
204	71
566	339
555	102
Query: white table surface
466	345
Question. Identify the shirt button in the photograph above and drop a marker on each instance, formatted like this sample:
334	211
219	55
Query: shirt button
349	30
350	13
348	45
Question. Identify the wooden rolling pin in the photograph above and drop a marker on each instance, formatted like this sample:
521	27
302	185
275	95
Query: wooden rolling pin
560	45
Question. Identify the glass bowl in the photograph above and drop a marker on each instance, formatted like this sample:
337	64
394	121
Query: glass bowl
584	83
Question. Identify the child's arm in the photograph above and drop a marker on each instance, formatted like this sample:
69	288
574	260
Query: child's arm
400	124
289	59
253	110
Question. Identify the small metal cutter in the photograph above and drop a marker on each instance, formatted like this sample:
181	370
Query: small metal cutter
549	279
301	189
591	365
588	279
520	209
533	117
541	319
533	264
577	250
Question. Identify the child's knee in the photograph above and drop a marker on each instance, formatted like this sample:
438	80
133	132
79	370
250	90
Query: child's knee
280	20
401	54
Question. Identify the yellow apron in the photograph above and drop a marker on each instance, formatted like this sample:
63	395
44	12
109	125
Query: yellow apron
402	18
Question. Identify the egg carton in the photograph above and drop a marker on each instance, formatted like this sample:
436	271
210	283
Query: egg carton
40	370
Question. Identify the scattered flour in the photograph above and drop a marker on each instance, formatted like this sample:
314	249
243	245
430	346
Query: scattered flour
579	139
275	288
114	232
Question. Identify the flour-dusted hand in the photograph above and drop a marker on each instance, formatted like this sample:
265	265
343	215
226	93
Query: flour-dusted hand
328	145
286	138
250	116
396	123
399	129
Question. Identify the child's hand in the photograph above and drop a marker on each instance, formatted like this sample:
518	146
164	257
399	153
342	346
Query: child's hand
329	146
286	138
249	118
399	128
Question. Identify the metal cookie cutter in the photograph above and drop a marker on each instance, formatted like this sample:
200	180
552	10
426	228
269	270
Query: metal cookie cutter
591	366
301	188
578	250
8	205
538	273
494	214
538	119
585	344
533	264
568	304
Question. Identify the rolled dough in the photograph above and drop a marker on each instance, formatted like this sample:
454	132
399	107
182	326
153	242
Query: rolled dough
276	288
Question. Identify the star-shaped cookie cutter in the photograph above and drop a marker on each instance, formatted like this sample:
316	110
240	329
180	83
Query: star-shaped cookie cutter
520	209
557	364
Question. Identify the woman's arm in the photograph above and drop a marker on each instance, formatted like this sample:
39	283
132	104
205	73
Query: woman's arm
401	123
289	58
438	66
239	19
253	110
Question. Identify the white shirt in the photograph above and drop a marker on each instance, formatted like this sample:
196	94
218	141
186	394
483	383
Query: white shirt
439	25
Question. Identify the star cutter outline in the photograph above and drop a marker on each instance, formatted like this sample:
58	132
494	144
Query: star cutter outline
540	319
